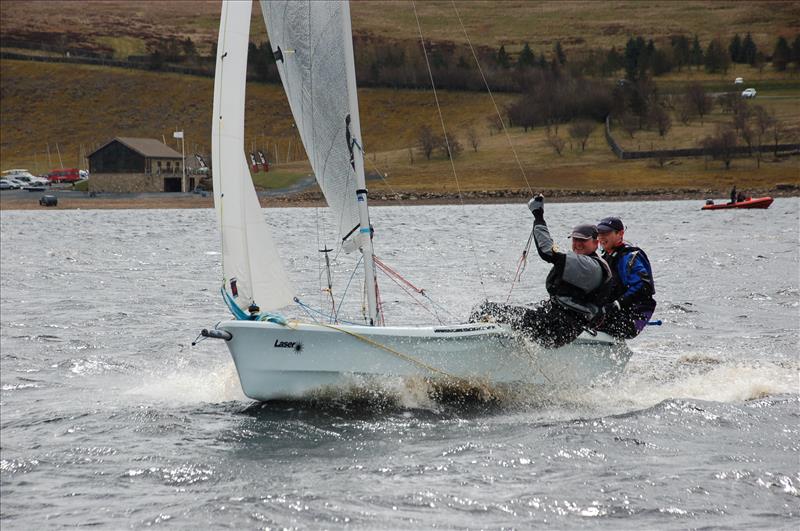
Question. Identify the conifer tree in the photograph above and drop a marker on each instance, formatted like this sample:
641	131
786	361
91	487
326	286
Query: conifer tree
560	56
526	58
782	55
716	60
680	50
502	57
735	49
696	53
796	52
749	50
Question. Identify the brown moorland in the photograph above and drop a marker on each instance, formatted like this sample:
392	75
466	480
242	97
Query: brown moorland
127	27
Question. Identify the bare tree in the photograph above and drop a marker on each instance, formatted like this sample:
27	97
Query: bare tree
555	142
427	140
494	123
763	123
581	130
452	142
741	116
777	132
721	144
748	134
685	111
474	140
629	123
701	102
660	118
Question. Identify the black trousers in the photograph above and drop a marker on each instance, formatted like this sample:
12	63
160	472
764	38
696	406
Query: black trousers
626	323
548	323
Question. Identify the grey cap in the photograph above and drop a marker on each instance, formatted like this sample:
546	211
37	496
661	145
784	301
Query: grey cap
584	232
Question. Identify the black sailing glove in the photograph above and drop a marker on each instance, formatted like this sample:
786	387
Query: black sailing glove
536	206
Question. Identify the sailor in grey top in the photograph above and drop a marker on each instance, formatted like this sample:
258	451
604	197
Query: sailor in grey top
579	284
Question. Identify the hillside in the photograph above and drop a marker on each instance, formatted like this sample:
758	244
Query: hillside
80	107
52	110
127	28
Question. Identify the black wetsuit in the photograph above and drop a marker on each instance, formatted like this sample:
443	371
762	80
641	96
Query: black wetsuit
578	286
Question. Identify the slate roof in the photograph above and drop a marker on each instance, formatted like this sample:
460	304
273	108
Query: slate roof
147	147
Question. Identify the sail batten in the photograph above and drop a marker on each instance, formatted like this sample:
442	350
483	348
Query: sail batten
252	270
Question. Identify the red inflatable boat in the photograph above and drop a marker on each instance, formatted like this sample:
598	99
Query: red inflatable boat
750	202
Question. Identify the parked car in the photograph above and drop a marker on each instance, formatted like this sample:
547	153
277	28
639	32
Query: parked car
738	81
24	176
48	200
749	93
64	175
5	184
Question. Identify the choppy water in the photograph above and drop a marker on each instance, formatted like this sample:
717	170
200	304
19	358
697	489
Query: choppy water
110	418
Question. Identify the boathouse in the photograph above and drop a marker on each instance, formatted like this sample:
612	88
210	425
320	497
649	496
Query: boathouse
127	164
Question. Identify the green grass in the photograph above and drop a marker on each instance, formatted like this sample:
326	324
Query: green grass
277	178
81	186
124	46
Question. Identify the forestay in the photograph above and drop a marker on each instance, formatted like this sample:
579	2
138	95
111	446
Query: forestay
252	269
313	49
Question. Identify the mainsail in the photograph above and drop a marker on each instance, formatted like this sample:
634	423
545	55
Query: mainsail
313	47
310	41
253	273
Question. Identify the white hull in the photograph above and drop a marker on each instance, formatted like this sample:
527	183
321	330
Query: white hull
298	360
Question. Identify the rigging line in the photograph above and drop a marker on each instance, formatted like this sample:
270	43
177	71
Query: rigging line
308	309
400	283
380	174
496	108
524	256
392	273
341	301
523	260
411	295
449	151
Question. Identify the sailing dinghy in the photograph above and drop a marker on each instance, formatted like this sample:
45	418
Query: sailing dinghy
278	358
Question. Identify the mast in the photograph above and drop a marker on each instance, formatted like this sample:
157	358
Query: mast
365	231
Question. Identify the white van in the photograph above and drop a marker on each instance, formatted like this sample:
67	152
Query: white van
738	81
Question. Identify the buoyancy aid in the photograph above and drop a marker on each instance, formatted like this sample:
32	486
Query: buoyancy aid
623	262
585	302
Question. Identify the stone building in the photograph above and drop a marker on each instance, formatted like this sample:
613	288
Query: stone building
128	164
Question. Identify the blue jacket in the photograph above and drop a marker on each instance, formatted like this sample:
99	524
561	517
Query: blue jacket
634	277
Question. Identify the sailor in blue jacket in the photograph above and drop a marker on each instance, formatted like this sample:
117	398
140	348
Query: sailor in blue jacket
578	284
632	302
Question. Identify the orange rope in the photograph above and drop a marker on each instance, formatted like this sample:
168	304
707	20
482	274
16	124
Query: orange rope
392	273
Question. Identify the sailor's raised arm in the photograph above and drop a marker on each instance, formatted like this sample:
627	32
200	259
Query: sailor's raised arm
541	234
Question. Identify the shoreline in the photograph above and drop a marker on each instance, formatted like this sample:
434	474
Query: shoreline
76	200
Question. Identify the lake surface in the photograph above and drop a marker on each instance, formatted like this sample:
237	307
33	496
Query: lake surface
111	418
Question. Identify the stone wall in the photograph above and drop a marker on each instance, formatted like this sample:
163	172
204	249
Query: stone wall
125	182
